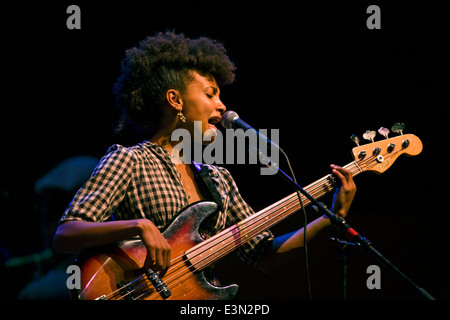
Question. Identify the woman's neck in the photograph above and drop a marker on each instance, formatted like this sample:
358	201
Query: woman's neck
163	140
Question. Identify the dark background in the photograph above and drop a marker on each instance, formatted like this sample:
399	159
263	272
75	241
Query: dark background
313	71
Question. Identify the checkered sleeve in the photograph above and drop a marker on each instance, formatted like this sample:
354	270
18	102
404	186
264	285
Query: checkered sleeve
98	198
239	210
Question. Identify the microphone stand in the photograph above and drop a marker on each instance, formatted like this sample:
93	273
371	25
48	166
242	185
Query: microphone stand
341	225
343	248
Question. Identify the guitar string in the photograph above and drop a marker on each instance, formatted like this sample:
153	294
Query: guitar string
255	231
272	221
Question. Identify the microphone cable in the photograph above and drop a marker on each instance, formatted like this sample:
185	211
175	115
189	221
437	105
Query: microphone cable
305	244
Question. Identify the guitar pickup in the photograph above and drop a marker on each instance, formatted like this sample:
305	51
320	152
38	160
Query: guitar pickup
160	286
125	290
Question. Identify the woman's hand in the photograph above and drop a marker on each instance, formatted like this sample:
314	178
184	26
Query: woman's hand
345	192
158	250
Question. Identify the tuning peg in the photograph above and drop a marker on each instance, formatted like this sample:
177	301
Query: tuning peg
398	127
369	135
384	132
355	139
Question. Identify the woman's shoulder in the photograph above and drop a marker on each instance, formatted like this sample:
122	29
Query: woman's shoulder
135	152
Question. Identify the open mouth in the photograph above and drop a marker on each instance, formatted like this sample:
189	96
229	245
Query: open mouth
213	121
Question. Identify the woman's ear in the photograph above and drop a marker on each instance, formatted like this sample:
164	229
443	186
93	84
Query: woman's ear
173	97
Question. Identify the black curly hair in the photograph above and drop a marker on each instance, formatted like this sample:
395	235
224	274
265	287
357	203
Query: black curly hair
160	63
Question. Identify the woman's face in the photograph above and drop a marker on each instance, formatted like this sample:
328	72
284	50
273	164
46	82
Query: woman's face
201	102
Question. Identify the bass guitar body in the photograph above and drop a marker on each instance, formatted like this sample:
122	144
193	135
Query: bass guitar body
115	271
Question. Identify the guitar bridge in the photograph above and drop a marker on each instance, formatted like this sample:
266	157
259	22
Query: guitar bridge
160	286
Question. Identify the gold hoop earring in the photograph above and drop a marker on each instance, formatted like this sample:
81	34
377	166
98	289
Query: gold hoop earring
182	117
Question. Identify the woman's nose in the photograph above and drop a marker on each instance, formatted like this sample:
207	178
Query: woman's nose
221	107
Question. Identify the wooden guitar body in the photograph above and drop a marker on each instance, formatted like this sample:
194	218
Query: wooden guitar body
105	269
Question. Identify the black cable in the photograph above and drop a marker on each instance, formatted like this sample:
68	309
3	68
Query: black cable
305	244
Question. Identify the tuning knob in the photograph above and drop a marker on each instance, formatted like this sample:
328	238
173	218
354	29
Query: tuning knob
355	139
398	127
369	135
384	132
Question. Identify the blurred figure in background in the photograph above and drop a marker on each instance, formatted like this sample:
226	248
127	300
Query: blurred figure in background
54	190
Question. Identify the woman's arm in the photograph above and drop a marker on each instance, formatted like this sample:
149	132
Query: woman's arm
76	236
287	246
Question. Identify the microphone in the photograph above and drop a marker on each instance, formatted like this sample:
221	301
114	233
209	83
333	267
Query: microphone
231	120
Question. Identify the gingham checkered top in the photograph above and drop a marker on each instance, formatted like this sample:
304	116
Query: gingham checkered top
143	182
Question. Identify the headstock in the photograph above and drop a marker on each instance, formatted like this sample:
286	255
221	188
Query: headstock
378	156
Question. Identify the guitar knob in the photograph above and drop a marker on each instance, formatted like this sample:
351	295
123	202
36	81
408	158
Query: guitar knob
369	135
355	139
384	132
398	127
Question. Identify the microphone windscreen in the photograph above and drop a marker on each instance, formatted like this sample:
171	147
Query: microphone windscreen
228	117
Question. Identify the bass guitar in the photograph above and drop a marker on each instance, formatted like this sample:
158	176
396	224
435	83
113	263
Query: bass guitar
115	272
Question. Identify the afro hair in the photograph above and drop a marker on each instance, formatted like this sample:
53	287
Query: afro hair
160	63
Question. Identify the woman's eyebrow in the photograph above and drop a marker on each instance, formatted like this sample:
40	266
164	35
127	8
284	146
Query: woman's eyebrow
215	89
